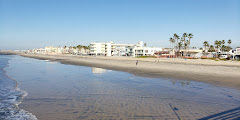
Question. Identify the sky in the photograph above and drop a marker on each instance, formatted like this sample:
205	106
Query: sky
28	24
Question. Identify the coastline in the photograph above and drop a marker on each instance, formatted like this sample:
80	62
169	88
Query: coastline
220	73
11	96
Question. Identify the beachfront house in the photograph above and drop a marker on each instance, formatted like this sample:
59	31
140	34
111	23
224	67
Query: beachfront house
237	54
166	52
191	53
208	55
146	51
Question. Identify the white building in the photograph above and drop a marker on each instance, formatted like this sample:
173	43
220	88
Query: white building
52	49
191	53
146	51
39	50
237	54
66	50
113	49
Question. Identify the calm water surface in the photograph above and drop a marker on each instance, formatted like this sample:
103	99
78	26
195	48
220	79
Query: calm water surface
59	91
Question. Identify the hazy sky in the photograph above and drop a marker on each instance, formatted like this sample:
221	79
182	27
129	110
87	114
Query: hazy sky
38	23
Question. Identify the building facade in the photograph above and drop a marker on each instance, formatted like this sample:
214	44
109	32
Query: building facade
114	49
146	51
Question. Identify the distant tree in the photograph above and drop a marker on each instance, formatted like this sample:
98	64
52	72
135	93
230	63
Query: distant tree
179	45
145	44
186	44
211	48
190	35
205	44
228	48
171	40
177	37
217	44
79	46
229	42
223	48
184	39
223	42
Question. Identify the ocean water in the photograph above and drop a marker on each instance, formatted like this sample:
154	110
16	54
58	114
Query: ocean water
58	91
11	96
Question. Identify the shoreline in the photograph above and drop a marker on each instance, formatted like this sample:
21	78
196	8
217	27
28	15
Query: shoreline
220	73
13	98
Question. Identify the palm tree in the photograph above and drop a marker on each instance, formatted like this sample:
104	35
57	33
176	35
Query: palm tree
228	48
223	48
205	44
222	45
229	42
184	39
177	37
186	44
171	40
190	35
211	49
223	42
217	44
179	46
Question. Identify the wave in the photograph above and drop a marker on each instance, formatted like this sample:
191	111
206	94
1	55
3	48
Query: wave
11	96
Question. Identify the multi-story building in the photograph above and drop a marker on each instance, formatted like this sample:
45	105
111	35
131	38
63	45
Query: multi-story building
66	50
99	48
113	49
52	49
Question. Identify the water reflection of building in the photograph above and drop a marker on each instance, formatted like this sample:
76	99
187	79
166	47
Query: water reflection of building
98	70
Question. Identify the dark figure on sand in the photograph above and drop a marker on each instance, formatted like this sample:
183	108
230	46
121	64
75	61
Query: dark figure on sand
136	62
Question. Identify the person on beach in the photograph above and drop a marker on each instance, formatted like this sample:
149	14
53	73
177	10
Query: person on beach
137	62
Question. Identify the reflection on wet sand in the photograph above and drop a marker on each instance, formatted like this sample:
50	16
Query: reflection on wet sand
98	70
74	92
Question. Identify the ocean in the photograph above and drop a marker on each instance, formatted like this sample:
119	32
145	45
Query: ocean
11	96
48	90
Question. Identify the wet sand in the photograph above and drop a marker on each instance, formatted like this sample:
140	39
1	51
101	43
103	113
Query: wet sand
69	92
223	73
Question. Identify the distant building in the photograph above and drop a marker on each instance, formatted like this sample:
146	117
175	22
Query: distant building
146	51
191	53
237	54
113	49
39	50
66	50
56	50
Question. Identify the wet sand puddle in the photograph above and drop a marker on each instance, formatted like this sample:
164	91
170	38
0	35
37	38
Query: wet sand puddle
59	91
